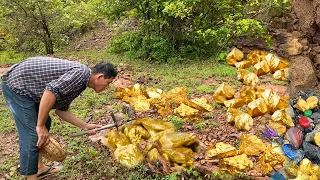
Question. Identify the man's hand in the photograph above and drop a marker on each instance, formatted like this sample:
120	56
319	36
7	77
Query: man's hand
43	135
91	126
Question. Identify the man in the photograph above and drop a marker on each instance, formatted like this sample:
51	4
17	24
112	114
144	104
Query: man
36	85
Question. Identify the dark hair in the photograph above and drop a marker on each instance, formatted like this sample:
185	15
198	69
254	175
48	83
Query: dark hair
107	69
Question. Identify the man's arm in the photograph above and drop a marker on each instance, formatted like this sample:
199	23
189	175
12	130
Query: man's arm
46	103
72	119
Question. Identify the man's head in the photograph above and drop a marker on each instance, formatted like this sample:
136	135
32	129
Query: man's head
102	74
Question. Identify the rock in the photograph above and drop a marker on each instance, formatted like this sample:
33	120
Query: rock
304	10
290	111
262	178
316	4
309	136
303	75
316	38
316	49
98	136
316	59
278	167
293	46
312	152
316	117
296	34
304	43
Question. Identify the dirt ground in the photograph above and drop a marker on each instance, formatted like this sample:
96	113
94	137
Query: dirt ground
221	131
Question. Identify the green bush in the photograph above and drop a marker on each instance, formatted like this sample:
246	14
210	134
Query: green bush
190	29
137	45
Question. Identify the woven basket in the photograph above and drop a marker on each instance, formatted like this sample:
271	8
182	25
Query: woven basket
52	151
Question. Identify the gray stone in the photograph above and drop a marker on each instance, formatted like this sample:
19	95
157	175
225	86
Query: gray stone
290	111
316	117
312	152
309	136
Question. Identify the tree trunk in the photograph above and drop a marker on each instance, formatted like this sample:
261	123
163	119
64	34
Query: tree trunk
47	35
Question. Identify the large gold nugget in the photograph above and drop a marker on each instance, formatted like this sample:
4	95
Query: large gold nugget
234	56
261	68
221	150
257	107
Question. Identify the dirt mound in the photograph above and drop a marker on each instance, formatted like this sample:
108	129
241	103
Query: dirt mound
96	38
297	38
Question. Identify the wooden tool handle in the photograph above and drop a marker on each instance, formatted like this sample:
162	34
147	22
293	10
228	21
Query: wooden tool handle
97	129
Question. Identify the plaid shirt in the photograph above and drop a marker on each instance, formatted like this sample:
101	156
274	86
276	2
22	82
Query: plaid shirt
65	79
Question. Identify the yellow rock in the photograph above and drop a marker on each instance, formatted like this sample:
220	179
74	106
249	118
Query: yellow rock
248	94
272	99
283	117
178	95
254	57
243	64
241	73
250	79
251	145
312	102
234	103
273	62
278	127
302	105
283	64
268	159
221	150
129	155
223	93
236	164
201	104
261	68
153	155
257	107
283	103
316	139
187	112
240	119
282	74
234	56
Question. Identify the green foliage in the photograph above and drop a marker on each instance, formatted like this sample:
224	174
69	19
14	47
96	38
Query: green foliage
44	26
177	122
10	57
172	176
200	126
189	29
137	45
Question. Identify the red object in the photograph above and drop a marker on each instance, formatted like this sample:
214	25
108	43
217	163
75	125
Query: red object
304	122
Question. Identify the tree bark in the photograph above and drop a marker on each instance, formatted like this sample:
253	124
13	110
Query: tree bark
47	35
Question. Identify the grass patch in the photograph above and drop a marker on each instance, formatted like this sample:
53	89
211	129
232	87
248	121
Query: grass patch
172	74
205	89
8	168
177	122
7	123
200	126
